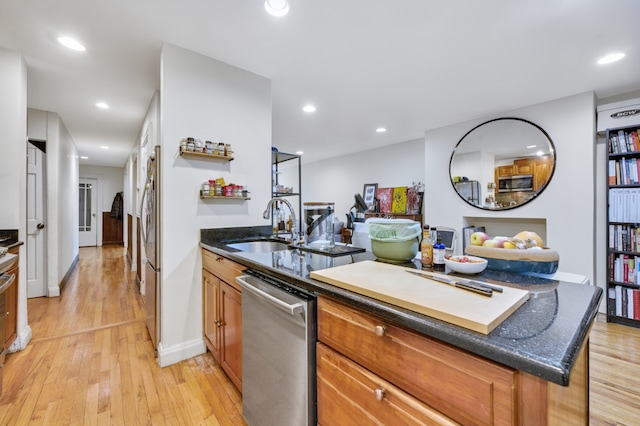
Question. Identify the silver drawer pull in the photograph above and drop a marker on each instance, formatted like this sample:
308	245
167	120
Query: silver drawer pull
380	330
379	393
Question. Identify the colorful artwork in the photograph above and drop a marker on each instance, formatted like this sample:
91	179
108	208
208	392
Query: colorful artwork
385	195
399	203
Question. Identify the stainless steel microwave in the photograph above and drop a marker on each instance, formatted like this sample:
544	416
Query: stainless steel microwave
515	183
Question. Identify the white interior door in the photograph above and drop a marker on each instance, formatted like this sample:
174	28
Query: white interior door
36	231
87	218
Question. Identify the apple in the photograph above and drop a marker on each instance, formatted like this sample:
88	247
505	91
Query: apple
493	243
478	238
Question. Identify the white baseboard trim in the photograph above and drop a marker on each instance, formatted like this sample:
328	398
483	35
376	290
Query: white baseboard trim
177	353
22	340
54	291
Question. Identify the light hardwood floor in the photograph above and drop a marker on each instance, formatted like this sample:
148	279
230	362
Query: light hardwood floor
91	362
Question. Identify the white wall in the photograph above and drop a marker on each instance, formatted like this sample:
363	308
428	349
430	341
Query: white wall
566	208
62	179
207	99
338	179
110	181
13	168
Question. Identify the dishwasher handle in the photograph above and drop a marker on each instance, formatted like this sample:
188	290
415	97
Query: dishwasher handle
294	309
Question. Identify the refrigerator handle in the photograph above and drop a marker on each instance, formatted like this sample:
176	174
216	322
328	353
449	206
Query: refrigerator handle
144	195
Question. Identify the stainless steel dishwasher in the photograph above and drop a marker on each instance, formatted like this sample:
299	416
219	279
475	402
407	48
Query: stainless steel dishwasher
278	352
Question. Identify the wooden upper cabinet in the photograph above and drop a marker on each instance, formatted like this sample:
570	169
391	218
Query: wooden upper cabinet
506	170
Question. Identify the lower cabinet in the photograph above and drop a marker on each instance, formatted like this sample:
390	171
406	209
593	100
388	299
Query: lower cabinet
371	371
222	313
350	394
11	320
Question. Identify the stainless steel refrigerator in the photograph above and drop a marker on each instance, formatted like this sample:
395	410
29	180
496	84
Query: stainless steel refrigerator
470	191
150	215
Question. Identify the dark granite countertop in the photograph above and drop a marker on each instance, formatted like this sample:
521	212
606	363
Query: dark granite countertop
543	337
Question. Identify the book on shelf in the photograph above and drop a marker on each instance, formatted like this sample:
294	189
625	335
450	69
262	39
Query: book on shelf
624	141
624	302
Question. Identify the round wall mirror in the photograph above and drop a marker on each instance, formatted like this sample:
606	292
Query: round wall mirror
502	164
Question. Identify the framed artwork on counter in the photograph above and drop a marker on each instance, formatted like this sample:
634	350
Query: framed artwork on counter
369	193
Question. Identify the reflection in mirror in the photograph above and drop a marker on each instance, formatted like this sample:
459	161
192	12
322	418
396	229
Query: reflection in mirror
502	164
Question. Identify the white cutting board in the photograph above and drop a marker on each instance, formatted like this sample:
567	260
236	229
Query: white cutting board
392	284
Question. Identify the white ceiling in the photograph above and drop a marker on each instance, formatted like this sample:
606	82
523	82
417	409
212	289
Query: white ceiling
407	65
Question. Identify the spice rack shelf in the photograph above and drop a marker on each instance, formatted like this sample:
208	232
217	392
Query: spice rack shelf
221	197
204	154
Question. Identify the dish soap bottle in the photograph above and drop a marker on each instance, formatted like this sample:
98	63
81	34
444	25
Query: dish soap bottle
281	224
438	254
426	247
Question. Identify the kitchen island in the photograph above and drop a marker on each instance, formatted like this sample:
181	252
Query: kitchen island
542	347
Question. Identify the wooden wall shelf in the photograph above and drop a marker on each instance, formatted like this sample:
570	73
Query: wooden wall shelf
205	155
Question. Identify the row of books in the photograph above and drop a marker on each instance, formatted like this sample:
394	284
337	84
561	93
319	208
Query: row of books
623	268
624	237
624	205
624	302
624	141
624	171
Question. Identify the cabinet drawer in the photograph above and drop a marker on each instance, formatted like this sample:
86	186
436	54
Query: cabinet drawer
225	269
463	386
349	394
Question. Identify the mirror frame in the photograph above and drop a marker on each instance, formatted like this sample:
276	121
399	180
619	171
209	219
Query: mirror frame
552	149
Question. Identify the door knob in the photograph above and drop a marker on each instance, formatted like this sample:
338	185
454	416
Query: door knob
40	226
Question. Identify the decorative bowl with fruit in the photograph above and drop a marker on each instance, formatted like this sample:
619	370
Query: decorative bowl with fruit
466	264
525	252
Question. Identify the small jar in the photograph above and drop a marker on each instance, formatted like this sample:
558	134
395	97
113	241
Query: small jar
190	146
208	147
206	187
220	150
227	150
237	190
183	145
218	190
199	145
212	187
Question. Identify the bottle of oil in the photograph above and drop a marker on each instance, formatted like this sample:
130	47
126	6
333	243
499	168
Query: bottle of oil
438	254
426	247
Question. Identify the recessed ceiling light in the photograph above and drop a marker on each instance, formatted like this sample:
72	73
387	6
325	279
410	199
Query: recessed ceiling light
299	152
104	147
309	108
613	57
531	146
102	105
381	130
71	43
277	7
84	157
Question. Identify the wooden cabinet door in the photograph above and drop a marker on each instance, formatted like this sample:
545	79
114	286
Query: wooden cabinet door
231	347
506	170
463	386
11	320
541	175
211	313
349	394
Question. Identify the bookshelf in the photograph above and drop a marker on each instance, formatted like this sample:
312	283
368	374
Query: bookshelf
623	225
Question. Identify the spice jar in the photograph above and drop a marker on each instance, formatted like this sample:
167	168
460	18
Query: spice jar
206	187
212	187
220	150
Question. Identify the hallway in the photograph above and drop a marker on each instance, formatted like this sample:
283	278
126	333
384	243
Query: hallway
91	360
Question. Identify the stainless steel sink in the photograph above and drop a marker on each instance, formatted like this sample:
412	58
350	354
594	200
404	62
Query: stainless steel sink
259	246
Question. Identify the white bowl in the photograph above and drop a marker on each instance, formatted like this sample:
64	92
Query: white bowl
473	265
